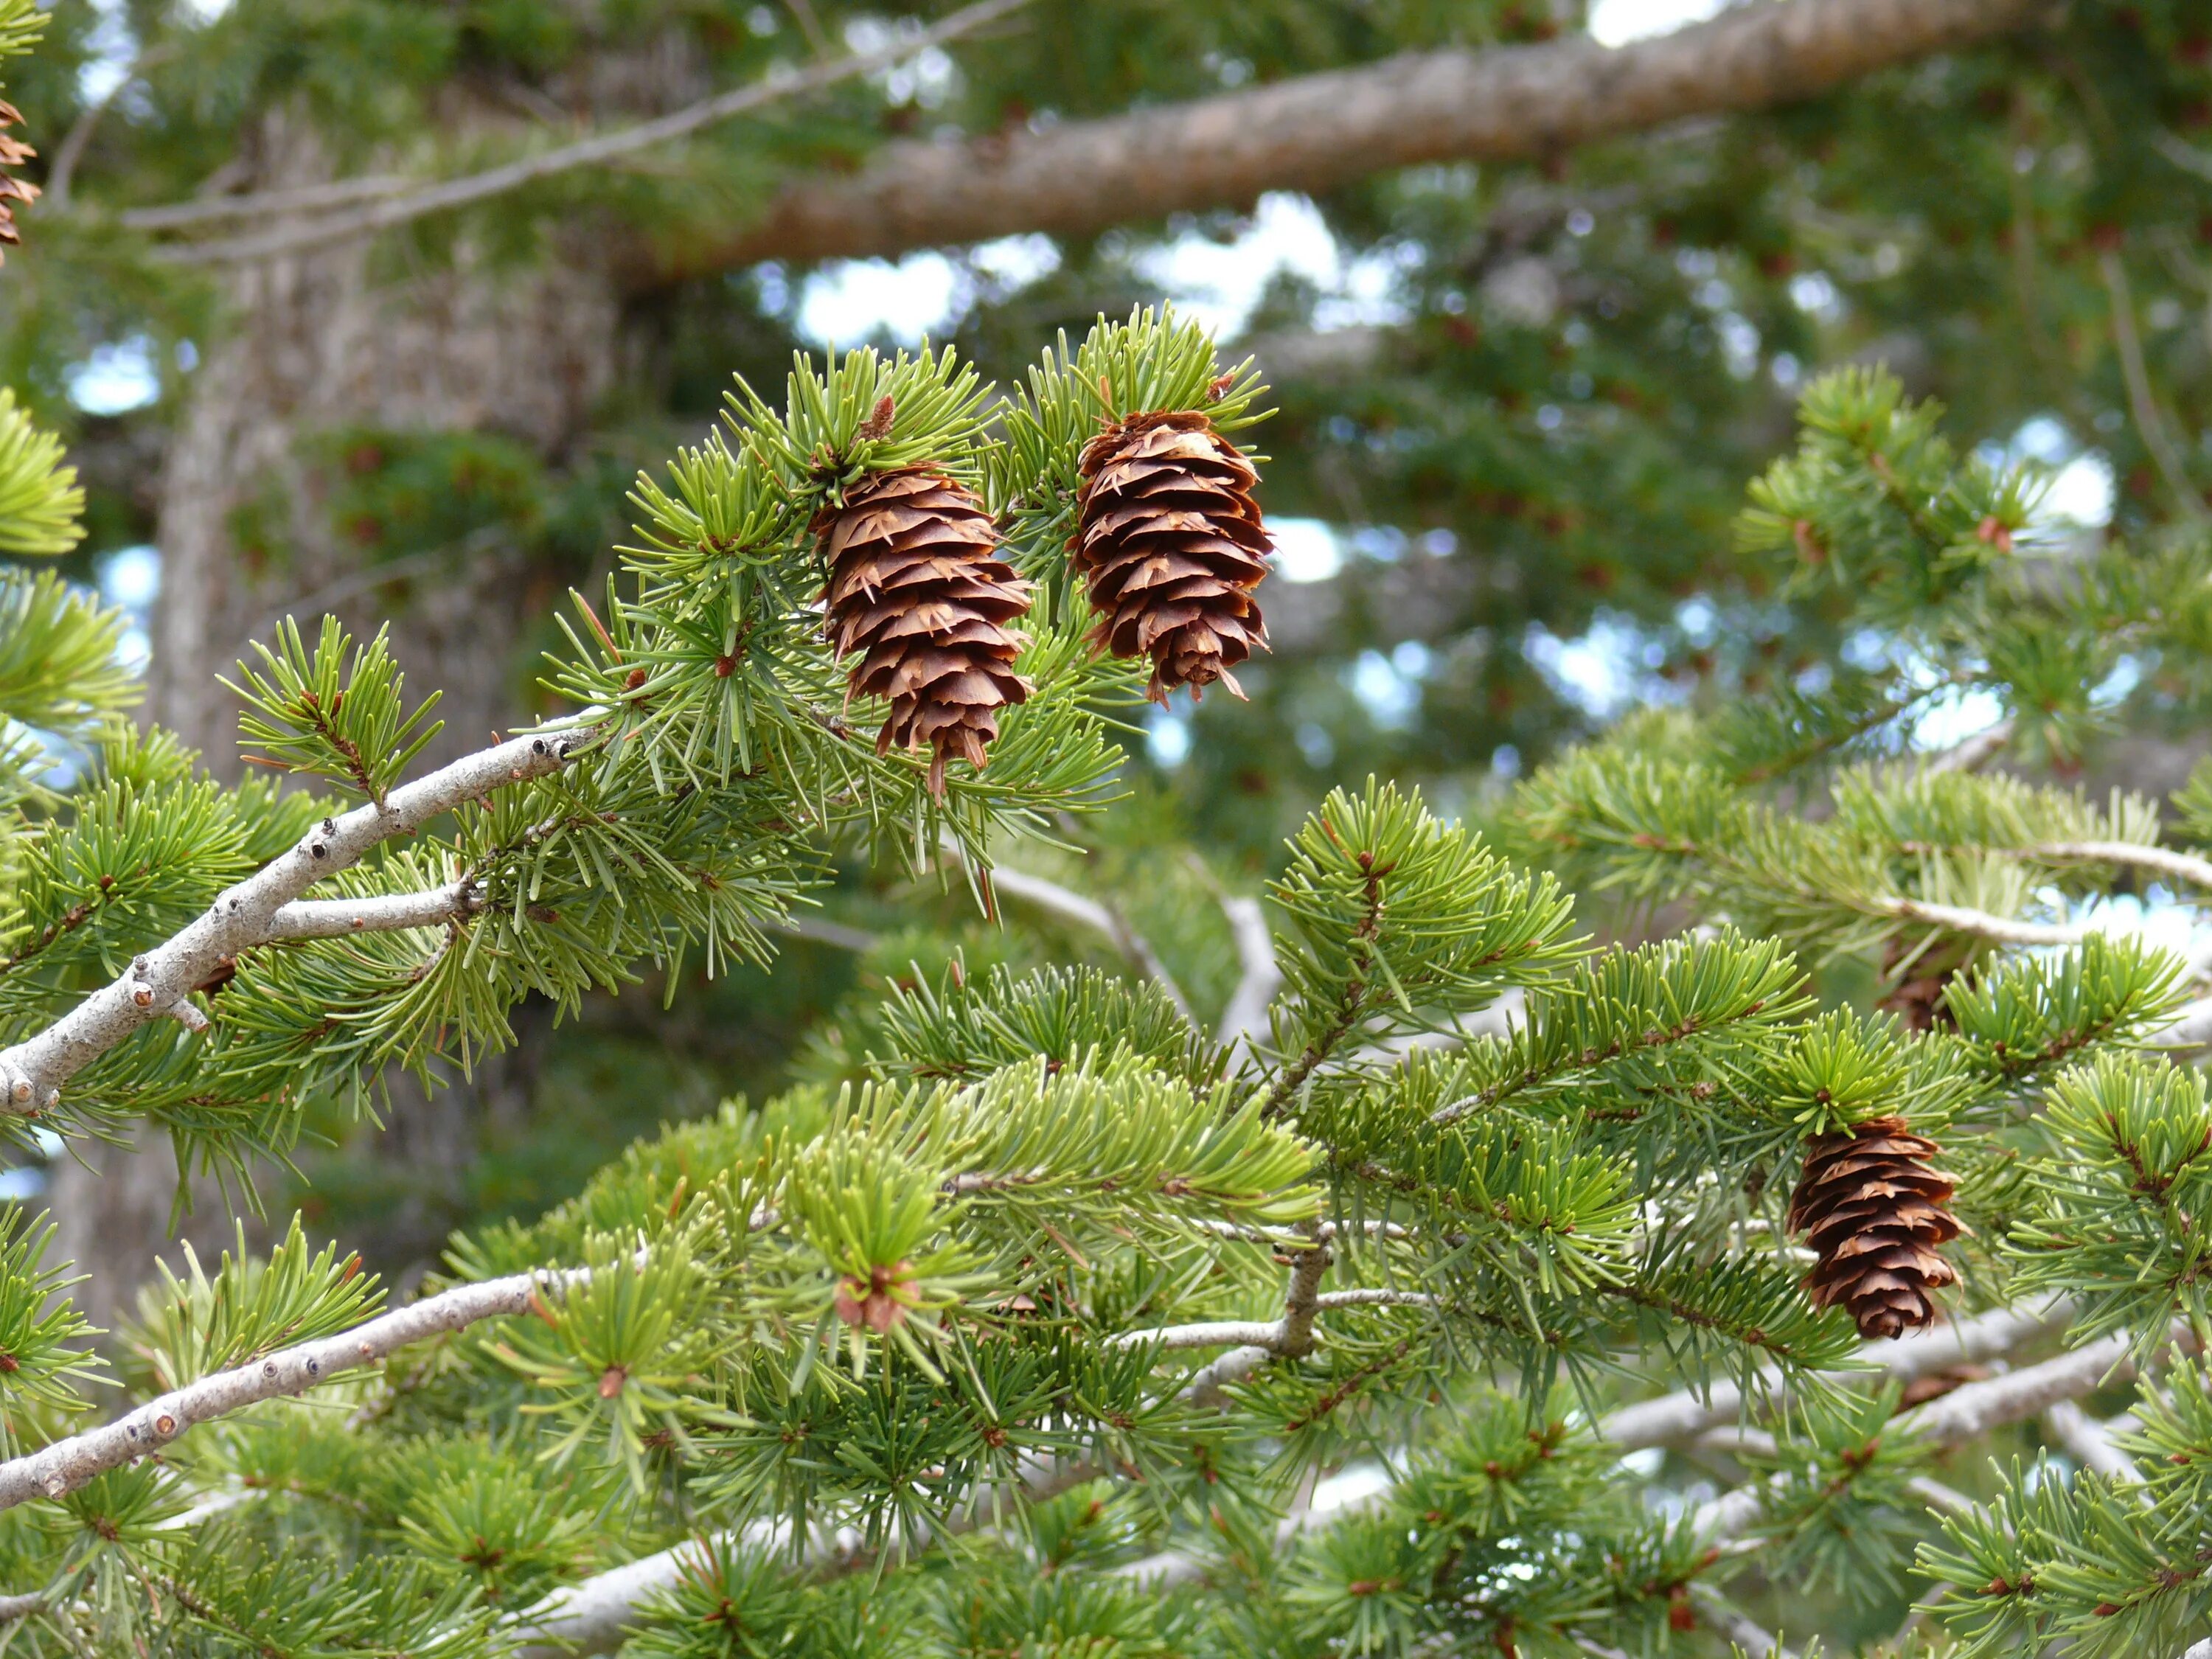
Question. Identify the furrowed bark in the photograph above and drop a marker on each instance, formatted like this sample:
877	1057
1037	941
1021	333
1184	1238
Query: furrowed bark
1320	132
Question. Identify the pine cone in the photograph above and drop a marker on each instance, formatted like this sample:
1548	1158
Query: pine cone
1171	544
1873	1209
14	152
915	583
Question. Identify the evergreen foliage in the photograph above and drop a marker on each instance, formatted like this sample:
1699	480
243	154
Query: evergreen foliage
1048	1334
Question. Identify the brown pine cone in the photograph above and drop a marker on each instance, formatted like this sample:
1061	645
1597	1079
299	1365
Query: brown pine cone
14	152
1873	1209
1170	544
915	583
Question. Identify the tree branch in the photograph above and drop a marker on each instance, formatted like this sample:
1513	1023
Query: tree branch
1319	133
2150	420
1245	1019
1070	906
67	1464
1975	752
381	912
2088	1445
2000	930
2164	861
595	151
1676	1417
32	1071
1965	1413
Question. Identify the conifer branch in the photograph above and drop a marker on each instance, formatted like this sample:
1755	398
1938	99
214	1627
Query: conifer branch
32	1071
1320	132
2140	855
2088	1442
379	913
1980	924
1674	1418
1070	906
1975	752
68	1464
1967	1412
1245	1017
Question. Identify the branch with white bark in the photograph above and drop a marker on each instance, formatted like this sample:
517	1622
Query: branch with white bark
66	1465
1678	1417
266	907
1965	1413
1070	906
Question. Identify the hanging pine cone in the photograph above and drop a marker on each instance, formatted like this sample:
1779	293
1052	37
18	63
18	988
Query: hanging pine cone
1171	545
916	585
1872	1208
14	152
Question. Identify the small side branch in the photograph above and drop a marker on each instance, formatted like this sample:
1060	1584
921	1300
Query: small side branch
2088	1443
379	214
1245	1019
383	913
2000	930
2159	860
1965	1413
1073	907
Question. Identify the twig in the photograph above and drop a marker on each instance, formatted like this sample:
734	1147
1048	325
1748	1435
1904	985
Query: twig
382	912
1088	913
588	152
2088	1445
32	1071
79	137
2165	860
2150	420
1976	751
67	1464
1725	1622
298	198
2000	930
1266	1333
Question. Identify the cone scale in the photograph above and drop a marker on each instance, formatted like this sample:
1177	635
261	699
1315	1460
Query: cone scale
1170	546
1875	1210
916	587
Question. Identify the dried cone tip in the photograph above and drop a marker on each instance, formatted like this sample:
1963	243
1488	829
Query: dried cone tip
1873	1209
14	152
916	586
1171	546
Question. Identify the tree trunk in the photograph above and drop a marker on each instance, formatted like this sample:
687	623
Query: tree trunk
320	343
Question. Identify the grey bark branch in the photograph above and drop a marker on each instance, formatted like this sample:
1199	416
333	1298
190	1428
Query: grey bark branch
1245	1019
595	151
384	913
1319	133
2088	1442
2000	930
1073	907
32	1071
1674	1418
67	1464
1965	1413
2163	861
